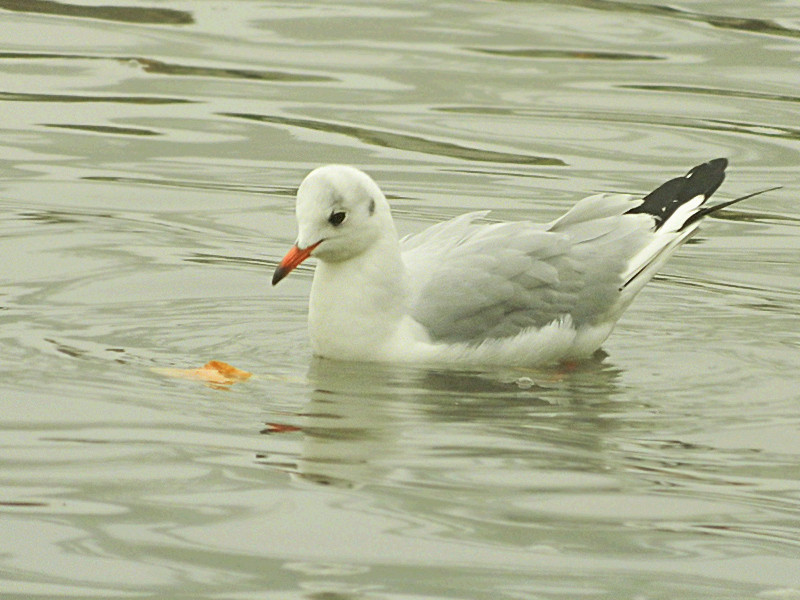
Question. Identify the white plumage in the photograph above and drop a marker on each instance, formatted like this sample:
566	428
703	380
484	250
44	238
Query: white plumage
464	292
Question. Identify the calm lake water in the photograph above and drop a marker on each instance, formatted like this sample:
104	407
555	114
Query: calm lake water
150	155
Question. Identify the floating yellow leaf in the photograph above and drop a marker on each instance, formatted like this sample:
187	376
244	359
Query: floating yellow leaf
214	373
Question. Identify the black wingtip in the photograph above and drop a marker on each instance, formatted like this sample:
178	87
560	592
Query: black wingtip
702	180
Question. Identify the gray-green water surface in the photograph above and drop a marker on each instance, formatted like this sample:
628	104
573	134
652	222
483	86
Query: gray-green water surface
148	160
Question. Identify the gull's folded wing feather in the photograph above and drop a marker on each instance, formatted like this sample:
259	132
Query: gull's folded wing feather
470	282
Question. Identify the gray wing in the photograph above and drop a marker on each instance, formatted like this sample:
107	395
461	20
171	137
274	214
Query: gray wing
470	281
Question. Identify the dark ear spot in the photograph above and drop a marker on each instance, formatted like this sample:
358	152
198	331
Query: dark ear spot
371	207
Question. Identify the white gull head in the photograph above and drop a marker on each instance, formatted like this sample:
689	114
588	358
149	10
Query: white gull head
340	211
359	294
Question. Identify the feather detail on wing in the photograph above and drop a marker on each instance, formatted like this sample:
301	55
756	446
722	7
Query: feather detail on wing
472	282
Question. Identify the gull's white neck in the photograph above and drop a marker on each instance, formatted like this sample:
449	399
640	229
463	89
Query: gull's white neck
357	305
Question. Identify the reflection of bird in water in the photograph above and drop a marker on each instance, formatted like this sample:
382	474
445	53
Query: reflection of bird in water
347	426
363	421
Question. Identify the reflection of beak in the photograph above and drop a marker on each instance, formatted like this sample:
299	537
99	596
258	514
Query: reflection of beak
293	258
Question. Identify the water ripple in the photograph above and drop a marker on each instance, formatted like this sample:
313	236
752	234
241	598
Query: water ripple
104	129
743	24
160	67
75	98
120	14
402	141
711	91
543	53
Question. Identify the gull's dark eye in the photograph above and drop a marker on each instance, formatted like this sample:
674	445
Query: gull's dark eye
337	218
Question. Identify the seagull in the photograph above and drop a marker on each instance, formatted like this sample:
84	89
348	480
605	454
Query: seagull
467	292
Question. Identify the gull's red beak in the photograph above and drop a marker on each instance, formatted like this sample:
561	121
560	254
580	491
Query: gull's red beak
293	258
